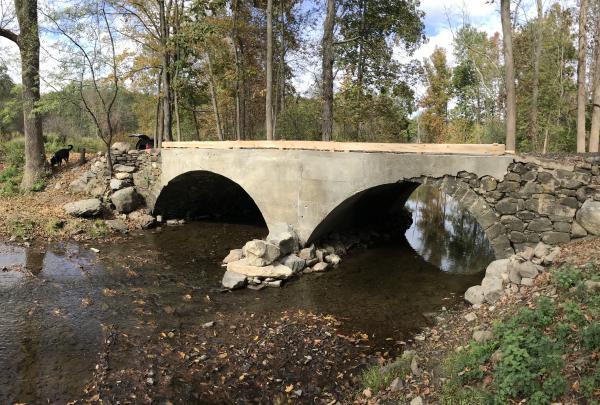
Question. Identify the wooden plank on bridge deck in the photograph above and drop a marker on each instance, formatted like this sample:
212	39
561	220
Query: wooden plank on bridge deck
421	148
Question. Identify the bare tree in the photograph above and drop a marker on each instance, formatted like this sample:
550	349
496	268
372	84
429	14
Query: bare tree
581	90
269	97
509	73
327	125
98	98
28	41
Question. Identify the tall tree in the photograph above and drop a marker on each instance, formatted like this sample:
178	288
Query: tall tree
595	129
327	78
28	41
537	55
91	55
269	65
581	85
509	76
438	77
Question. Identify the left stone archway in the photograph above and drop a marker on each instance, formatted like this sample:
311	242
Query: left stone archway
205	194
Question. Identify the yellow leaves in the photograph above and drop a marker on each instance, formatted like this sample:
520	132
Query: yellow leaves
181	355
289	388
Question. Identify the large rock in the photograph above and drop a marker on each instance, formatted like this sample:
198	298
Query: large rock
126	200
474	295
498	269
261	253
123	169
307	253
275	270
541	250
123	176
577	231
588	216
284	237
294	262
529	270
116	184
120	147
117	225
233	280
84	208
78	186
492	289
233	256
142	220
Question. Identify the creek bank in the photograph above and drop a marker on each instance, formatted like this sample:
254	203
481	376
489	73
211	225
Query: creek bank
506	275
450	364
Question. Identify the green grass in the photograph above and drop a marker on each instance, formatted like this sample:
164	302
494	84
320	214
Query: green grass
536	345
21	228
377	378
99	229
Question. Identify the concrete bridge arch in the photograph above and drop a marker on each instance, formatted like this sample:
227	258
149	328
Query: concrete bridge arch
313	190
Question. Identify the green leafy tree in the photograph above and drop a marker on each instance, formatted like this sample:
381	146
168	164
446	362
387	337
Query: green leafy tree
438	77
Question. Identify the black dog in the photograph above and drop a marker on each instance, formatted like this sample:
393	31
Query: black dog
60	155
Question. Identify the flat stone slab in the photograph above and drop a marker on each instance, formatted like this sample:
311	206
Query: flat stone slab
276	270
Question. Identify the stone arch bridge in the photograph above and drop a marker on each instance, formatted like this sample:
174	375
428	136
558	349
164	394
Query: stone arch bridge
317	187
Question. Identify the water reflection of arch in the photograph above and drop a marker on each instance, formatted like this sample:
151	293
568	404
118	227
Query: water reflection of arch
375	203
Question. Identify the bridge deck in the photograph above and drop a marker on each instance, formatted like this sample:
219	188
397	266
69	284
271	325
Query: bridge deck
419	148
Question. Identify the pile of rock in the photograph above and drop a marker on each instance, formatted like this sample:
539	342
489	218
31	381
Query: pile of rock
510	274
125	192
267	263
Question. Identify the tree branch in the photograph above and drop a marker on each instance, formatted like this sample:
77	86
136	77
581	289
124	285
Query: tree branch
9	35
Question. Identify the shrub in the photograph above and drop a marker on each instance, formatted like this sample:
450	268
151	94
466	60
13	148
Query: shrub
12	152
567	277
590	336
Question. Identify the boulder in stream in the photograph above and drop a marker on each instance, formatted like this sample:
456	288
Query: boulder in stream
233	280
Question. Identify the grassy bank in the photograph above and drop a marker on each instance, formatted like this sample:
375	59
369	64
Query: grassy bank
12	158
544	347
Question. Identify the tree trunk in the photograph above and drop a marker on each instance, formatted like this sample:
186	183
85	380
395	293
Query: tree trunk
213	96
269	97
177	121
535	91
581	93
158	122
196	126
327	79
595	130
29	45
166	76
238	72
509	73
282	52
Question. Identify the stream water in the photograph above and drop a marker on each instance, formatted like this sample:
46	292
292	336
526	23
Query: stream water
55	300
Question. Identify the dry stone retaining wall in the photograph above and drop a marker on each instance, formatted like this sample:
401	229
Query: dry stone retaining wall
538	200
131	168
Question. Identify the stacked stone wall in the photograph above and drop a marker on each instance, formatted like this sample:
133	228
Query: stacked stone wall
538	200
